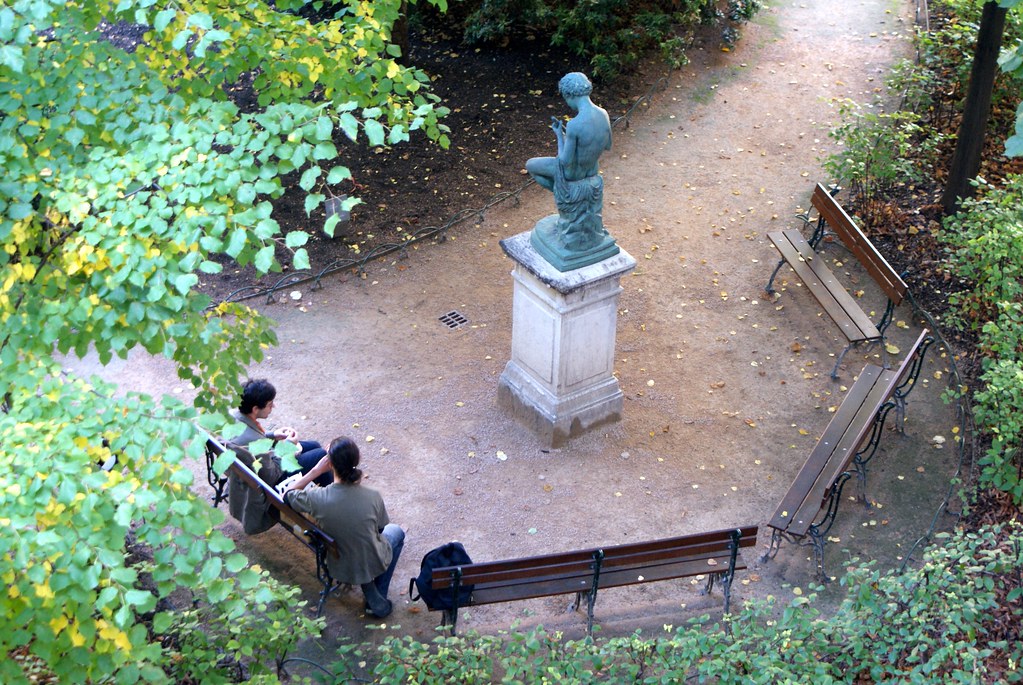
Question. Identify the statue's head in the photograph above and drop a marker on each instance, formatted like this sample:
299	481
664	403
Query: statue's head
575	85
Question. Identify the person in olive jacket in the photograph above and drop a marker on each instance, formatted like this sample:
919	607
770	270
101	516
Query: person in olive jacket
355	516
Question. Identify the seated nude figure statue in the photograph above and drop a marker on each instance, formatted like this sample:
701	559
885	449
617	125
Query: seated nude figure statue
573	175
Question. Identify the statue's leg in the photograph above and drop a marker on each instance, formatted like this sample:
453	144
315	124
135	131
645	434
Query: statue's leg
542	169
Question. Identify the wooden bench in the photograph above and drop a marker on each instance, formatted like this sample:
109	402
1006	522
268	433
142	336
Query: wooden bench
804	258
851	438
583	572
303	528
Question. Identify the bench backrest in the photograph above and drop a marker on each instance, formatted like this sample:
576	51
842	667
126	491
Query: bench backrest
621	565
858	243
297	523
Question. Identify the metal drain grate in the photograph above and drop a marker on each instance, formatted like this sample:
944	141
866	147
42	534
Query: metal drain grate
454	319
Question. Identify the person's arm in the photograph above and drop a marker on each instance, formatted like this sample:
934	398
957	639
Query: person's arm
322	466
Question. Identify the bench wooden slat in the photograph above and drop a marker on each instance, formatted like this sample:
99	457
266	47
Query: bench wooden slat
825	448
549	565
842	456
840	441
858	243
490	593
810	268
547	568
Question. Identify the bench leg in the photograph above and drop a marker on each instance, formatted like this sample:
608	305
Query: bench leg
591	599
817	542
449	617
772	549
726	588
709	587
769	288
220	492
838	362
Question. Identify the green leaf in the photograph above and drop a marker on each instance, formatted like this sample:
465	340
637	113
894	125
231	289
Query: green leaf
349	125
236	562
296	239
12	57
324	128
374	131
237	242
301	259
185	282
162	622
338	174
312	201
163	19
264	259
308	179
74	137
246	194
181	39
330	224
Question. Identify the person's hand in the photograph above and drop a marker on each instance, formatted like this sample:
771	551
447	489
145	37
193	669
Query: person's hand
558	126
289	434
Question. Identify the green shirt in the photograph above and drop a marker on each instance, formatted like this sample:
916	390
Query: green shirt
353	515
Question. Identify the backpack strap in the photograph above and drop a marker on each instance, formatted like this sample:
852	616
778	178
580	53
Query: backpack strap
411	586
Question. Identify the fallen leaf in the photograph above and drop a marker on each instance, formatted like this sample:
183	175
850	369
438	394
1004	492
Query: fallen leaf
370	438
717	385
751	423
457	491
803	431
547	487
796	348
891	349
501	455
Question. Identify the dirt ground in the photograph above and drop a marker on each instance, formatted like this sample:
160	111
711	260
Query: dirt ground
721	409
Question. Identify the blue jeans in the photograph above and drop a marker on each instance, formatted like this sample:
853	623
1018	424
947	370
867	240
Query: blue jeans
375	591
309	457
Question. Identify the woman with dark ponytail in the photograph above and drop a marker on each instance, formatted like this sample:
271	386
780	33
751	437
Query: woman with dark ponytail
357	519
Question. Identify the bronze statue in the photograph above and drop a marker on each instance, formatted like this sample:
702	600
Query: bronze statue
575	237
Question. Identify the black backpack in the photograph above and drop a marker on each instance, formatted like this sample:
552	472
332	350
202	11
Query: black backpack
450	554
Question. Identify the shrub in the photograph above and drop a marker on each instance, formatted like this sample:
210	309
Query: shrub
926	625
879	149
985	247
611	34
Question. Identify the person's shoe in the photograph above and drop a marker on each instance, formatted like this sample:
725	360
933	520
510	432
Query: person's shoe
381	614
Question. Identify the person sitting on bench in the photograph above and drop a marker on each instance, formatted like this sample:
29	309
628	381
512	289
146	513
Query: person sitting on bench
355	516
257	403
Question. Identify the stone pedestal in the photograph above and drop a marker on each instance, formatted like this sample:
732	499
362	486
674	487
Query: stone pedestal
559	381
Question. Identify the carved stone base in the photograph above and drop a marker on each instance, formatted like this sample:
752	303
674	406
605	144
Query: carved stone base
546	241
559	381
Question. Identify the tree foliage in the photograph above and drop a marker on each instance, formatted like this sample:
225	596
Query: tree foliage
129	173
